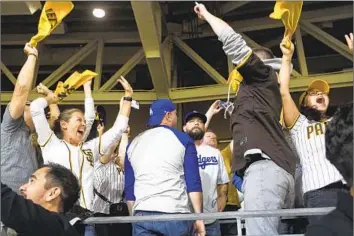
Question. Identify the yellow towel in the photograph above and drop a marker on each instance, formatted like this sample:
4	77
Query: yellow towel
52	15
289	13
74	81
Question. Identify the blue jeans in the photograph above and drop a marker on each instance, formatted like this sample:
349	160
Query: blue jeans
321	198
90	230
168	228
213	229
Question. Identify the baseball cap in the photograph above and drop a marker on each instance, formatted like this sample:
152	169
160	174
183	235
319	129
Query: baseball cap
193	114
318	84
158	110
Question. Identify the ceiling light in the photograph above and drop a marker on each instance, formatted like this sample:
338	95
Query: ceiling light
98	12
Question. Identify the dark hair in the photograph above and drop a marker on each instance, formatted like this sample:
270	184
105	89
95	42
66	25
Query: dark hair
263	53
60	176
339	141
315	115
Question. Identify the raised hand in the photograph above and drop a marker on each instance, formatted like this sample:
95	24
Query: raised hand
100	129
88	84
28	49
349	39
215	108
200	10
127	88
52	98
41	89
287	52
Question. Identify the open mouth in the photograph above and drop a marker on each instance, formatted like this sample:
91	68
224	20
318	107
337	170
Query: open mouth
81	132
320	100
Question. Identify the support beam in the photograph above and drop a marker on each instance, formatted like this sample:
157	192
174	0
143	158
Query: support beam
230	6
148	19
199	60
98	69
125	69
327	39
214	92
167	55
230	65
78	97
250	41
8	74
301	58
69	64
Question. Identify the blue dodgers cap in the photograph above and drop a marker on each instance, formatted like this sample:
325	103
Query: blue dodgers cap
158	110
193	114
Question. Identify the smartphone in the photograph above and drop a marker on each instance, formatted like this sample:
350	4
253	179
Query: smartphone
223	104
135	104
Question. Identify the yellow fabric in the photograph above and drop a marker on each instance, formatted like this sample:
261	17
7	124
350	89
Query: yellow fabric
289	12
73	82
232	195
52	15
235	78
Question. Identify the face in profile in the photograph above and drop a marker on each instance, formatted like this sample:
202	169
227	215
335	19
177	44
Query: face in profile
195	128
210	139
317	100
172	117
36	191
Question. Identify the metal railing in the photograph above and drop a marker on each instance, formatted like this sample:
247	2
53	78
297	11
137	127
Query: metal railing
238	215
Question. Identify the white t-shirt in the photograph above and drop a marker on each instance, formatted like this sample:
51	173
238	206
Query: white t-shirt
79	159
212	173
309	140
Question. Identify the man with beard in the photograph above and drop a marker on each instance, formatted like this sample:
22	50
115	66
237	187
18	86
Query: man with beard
321	181
211	169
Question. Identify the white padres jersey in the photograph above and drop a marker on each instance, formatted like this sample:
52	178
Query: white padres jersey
309	140
212	172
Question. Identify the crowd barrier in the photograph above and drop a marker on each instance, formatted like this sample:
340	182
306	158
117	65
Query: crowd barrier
225	216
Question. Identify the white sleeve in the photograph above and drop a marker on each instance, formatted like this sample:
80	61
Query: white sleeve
109	137
297	124
89	116
40	121
223	177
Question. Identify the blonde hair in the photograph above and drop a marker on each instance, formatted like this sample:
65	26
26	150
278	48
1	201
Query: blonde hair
65	116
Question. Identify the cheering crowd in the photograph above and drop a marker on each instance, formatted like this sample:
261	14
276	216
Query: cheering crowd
53	175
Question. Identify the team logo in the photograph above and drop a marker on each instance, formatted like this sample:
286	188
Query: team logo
206	161
89	156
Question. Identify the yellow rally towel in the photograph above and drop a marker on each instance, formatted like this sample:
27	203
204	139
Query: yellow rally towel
75	81
289	13
52	15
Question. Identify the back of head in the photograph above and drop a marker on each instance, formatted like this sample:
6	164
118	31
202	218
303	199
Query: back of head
339	141
263	53
59	176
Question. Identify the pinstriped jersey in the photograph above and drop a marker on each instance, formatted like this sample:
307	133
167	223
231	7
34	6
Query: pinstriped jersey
309	140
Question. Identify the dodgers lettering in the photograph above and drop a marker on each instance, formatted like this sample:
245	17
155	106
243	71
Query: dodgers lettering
206	161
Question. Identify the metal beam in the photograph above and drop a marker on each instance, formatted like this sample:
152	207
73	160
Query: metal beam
148	19
250	41
214	92
199	60
167	55
301	58
78	97
230	65
125	69
69	64
327	14
230	6
8	73
98	69
327	39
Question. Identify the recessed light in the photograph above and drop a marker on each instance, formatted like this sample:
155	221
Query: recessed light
98	12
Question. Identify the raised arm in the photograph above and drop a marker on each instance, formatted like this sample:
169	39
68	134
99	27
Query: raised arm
89	109
234	45
215	108
290	113
23	83
39	119
119	126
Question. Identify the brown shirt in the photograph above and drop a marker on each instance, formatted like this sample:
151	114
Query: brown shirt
255	119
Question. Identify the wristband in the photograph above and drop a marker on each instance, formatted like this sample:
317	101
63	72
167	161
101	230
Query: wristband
129	99
33	55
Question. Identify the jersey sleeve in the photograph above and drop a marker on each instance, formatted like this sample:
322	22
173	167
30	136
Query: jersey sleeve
297	124
223	177
89	116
